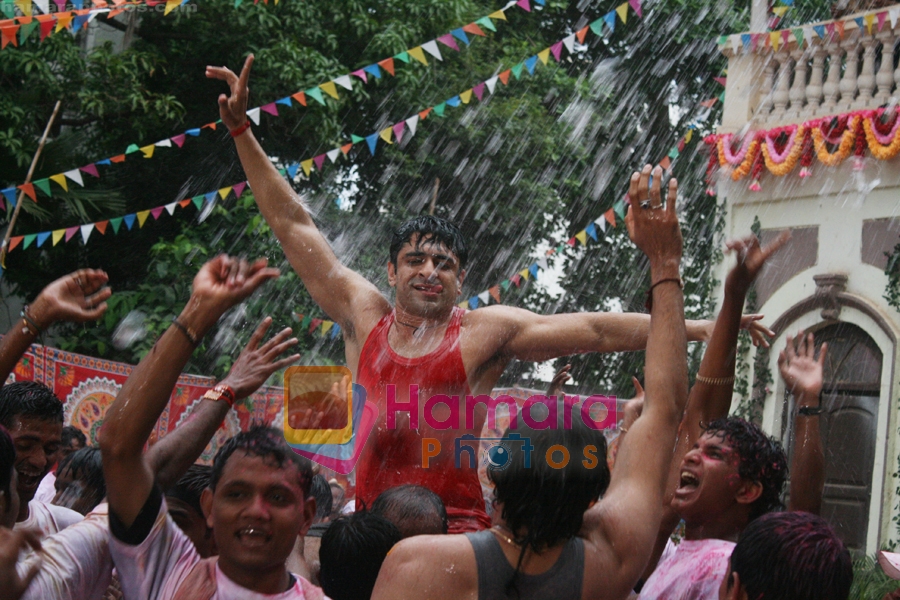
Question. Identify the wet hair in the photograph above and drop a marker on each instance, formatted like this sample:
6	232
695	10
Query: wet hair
351	554
190	487
414	509
7	462
792	556
762	460
29	399
86	466
70	433
431	230
264	442
321	491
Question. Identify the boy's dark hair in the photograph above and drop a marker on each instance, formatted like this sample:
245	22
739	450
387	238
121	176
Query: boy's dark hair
431	230
351	554
87	466
321	491
29	399
70	433
265	442
792	556
189	488
7	462
414	509
762	460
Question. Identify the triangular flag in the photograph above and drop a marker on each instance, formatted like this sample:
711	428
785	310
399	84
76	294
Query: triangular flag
307	166
524	5
610	217
129	221
316	93
504	285
556	49
361	74
597	26
517	69
484	297
326	326
785	36
780	10
820	30
473	302
504	76
26	30
86	231
495	293
314	324
101	227
329	88
209	198
333	154
25	7
373	70
881	17
57	235
448	41
270	108
14	241
171	5
43	185
286	101
75	175
90	169
304	323
398	130
346	148
63	20
569	43
28	240
197	200
142	217
466	96
473	28
61	180
71	231
344	81
253	115
148	151
591	230
460	34
498	15
47	22
372	140
156	212
439	109
223	192
404	56
572	241
178	139
169	207
839	26
530	63
355	138
319	161
580	34
622	11
299	97
636	5
185	203
417	54
533	269
432	49
239	189
487	23
479	90
385	134
775	38
610	19
869	20
10	194
581	236
798	35
601	222
387	64
412	122
29	191
491	83
454	101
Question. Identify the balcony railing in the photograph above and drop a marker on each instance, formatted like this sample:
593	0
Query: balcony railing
825	76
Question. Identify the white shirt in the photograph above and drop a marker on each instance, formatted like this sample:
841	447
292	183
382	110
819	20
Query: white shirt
47	518
155	568
694	571
75	562
46	491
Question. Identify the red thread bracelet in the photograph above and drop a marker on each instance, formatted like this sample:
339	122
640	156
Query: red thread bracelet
236	132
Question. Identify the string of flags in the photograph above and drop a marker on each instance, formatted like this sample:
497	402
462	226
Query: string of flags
16	29
318	93
388	135
749	42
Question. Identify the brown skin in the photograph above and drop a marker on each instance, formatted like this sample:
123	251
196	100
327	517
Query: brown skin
37	445
256	492
731	588
71	493
11	543
193	524
618	531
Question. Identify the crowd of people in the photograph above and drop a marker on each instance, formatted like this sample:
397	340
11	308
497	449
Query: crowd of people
125	521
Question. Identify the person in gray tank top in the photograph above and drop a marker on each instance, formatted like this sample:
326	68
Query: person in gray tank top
551	537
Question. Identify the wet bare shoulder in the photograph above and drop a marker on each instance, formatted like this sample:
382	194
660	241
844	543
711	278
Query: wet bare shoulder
429	566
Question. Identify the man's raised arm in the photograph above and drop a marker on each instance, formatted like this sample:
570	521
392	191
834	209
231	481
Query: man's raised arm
341	292
623	525
220	284
79	296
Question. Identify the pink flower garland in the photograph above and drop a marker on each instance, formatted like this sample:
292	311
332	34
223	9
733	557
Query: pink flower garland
736	159
884	140
774	155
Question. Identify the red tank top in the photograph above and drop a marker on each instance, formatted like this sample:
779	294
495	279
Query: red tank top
393	457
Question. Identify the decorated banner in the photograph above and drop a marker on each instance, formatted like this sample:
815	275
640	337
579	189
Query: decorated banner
749	42
831	140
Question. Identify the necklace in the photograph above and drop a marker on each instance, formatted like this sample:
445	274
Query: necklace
505	538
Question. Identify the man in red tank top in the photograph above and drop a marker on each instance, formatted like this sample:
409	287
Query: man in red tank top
423	339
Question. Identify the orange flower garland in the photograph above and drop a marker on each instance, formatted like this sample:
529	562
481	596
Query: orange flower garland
878	150
844	149
744	168
785	167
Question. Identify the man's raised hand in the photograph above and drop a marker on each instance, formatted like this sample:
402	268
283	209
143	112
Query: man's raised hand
801	371
233	108
222	283
750	259
257	362
652	226
79	296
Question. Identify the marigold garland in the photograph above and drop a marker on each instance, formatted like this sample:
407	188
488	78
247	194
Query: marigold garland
790	161
833	159
749	159
878	150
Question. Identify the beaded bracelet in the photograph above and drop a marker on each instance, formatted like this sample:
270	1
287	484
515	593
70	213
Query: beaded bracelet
715	380
28	324
190	335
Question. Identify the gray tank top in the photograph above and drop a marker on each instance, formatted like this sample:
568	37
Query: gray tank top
561	582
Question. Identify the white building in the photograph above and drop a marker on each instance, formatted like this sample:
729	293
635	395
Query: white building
830	278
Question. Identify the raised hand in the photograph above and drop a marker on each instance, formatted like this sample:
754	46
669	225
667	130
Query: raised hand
233	108
801	371
257	362
759	333
79	296
634	407
751	258
559	380
225	281
653	227
11	543
316	411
